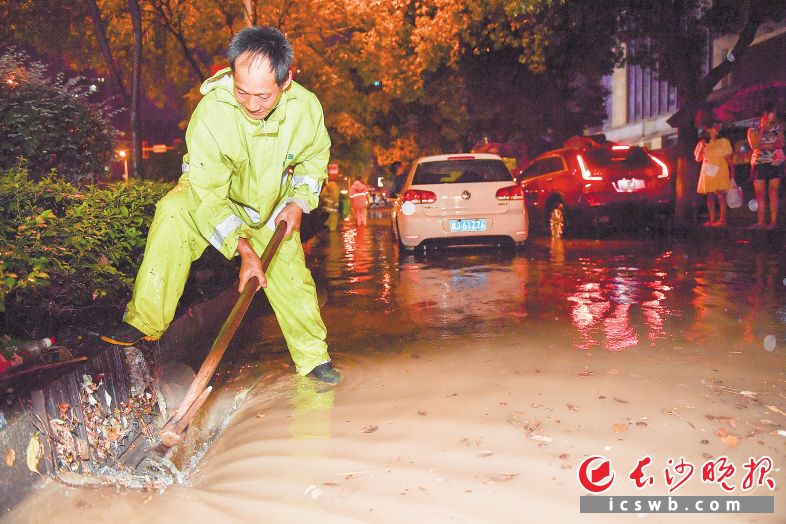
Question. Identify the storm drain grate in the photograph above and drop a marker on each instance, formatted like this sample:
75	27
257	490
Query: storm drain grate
93	413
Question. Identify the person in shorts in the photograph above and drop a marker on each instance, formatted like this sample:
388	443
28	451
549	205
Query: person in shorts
767	143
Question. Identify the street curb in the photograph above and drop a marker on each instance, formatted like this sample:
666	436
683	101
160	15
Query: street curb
733	233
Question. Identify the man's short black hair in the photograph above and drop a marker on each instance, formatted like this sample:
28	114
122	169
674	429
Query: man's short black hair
261	43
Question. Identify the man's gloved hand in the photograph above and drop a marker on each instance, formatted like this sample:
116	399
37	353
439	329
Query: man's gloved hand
250	265
292	213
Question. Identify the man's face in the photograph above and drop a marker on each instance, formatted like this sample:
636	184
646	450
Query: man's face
255	86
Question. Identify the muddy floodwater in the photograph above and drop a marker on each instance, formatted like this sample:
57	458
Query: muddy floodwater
477	382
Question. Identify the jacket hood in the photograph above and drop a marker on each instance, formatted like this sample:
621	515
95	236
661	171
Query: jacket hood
222	85
221	80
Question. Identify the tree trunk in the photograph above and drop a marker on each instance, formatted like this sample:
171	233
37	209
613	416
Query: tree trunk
100	31
686	178
136	138
692	98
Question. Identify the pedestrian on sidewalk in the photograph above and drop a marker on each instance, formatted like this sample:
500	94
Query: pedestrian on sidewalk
715	154
358	193
257	154
767	142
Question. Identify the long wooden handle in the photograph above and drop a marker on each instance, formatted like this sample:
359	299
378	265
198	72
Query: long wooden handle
225	335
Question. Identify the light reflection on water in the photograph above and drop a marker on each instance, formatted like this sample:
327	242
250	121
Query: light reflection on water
612	294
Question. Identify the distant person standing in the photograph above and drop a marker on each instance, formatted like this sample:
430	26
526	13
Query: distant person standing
331	195
767	143
358	194
714	153
344	205
399	177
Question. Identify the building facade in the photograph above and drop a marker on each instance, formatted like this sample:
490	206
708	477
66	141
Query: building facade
639	103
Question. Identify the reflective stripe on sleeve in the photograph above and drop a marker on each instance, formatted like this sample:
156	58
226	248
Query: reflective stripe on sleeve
272	222
253	215
302	204
312	184
227	226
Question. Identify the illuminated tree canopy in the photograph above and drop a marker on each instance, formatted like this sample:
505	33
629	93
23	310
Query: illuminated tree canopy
397	78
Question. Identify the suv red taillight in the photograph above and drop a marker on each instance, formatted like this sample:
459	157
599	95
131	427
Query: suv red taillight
586	174
510	193
419	196
664	170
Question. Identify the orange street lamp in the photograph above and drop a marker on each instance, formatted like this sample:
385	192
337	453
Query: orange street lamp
122	153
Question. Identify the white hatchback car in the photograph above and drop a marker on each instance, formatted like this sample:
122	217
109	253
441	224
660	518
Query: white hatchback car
463	199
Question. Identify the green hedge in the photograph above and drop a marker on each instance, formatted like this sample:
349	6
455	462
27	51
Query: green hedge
69	253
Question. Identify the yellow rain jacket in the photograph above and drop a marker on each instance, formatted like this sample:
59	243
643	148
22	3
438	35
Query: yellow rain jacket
237	166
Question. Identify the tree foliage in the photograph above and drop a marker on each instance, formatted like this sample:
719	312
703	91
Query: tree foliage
452	71
50	122
396	77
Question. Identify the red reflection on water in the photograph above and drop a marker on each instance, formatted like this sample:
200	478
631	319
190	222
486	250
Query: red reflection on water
357	258
387	280
349	237
619	335
654	311
614	308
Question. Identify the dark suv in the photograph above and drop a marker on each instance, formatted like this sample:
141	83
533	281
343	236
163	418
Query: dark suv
592	185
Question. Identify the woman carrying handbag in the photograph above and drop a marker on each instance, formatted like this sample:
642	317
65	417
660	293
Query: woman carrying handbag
717	169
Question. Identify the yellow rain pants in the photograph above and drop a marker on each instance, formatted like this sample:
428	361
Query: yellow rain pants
174	242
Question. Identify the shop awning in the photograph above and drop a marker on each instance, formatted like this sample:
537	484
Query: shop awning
747	102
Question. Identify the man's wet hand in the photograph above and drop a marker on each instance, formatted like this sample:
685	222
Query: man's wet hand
250	266
292	213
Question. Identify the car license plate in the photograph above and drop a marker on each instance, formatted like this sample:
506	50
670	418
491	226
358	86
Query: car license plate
468	225
629	184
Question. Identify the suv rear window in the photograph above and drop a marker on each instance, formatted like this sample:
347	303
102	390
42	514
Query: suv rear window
464	171
632	158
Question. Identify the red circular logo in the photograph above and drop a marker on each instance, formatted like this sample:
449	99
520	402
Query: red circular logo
591	478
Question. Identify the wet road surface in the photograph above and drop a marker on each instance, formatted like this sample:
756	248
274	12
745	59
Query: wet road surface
478	381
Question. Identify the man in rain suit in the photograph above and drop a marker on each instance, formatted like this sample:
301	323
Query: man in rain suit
358	193
331	195
257	154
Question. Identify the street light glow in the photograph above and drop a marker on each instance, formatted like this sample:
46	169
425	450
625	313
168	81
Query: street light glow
122	153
